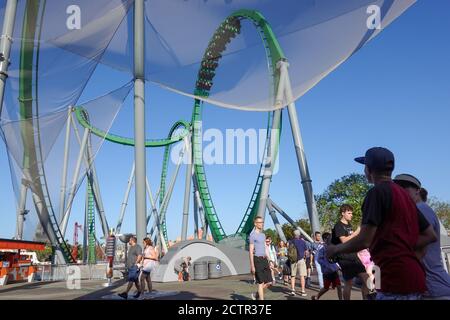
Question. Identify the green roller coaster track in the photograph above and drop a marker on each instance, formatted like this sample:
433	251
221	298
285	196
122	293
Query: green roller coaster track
210	62
223	35
82	117
217	45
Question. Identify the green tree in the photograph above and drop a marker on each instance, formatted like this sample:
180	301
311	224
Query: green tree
273	234
350	189
288	230
442	210
43	255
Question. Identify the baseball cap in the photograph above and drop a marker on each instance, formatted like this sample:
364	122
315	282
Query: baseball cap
378	159
404	177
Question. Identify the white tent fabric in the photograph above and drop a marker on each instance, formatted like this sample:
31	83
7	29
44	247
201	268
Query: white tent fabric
315	36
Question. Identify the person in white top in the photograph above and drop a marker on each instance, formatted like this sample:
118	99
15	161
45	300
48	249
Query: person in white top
150	261
272	258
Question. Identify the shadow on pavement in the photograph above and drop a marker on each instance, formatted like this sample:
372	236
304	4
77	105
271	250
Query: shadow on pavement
98	294
27	286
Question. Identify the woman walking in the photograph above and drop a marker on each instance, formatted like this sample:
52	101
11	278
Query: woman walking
150	258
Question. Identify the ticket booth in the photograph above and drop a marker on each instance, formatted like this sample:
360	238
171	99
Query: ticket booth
15	264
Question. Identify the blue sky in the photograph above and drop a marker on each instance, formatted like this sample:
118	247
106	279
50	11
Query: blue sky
395	93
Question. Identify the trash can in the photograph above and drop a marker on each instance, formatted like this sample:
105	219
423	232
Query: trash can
200	270
214	269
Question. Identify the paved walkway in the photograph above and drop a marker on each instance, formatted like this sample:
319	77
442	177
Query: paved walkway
228	288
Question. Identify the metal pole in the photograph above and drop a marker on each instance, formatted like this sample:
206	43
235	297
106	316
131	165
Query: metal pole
199	204
275	220
165	203
139	120
187	189
299	150
292	222
62	195
76	174
196	234
96	189
5	45
269	164
125	201
271	150
86	232
21	210
152	201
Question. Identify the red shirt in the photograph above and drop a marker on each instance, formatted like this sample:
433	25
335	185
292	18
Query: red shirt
390	208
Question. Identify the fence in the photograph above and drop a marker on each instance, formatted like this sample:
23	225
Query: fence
61	273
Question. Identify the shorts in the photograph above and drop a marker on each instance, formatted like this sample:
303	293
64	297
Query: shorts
300	266
331	279
133	274
351	269
262	270
149	266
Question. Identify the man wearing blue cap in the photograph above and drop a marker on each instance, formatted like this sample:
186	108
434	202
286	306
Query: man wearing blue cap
393	229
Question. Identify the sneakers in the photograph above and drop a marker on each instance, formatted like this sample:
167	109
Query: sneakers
313	298
254	296
292	293
123	295
137	295
303	294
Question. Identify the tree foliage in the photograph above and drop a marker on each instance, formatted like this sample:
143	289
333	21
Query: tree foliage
44	255
442	210
288	230
350	189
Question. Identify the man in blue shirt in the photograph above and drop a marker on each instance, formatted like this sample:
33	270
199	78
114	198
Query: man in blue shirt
437	279
300	265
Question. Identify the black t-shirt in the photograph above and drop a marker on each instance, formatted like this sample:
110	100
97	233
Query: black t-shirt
343	230
378	202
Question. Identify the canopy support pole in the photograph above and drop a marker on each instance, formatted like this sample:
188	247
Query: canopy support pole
292	222
62	195
21	211
275	221
139	120
299	150
96	188
5	45
271	148
187	189
76	174
125	201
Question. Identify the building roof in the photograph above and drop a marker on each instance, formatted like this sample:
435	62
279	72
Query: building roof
21	244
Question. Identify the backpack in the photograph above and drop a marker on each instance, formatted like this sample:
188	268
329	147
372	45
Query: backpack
292	253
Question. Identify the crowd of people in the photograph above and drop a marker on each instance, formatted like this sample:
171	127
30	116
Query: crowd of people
395	253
